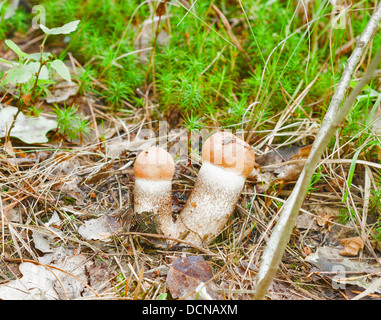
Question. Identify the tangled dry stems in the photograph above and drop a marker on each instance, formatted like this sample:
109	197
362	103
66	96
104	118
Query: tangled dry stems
34	190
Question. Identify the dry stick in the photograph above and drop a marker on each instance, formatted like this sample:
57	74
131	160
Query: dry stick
162	236
140	280
93	117
277	243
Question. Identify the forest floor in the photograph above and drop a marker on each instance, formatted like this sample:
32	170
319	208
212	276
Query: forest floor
265	71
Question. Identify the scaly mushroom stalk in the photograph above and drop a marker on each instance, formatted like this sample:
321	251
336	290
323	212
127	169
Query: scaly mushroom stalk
226	163
154	169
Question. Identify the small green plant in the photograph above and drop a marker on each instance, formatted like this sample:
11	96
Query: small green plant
38	68
193	123
117	92
376	235
375	201
346	217
162	296
16	21
71	124
315	179
32	74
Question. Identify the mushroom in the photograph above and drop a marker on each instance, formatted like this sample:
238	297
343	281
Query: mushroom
154	169
226	163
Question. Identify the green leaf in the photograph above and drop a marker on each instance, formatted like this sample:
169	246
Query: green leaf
33	67
65	29
15	48
44	73
162	296
20	74
37	56
6	61
61	69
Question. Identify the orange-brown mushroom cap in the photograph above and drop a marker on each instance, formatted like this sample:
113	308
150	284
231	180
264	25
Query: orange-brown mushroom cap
226	150
155	164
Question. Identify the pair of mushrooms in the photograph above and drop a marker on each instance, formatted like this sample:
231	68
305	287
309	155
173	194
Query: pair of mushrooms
226	163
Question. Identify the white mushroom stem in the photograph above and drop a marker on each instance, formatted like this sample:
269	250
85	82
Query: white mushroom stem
227	161
154	169
210	204
154	198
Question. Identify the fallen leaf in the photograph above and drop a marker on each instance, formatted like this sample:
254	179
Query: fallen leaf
272	169
291	172
186	274
35	284
324	219
100	229
278	156
116	147
343	270
42	241
27	129
8	149
80	270
59	275
62	91
45	241
306	221
352	246
99	277
100	173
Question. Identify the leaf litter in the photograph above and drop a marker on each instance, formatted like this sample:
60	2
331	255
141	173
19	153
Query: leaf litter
88	208
56	276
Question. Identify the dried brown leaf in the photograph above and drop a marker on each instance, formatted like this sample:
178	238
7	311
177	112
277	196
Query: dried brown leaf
273	161
324	219
352	246
185	274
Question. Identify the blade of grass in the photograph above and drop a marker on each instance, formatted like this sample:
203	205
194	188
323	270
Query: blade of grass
252	32
204	23
266	96
190	8
352	168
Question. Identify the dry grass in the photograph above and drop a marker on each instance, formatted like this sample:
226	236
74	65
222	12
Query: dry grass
42	182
